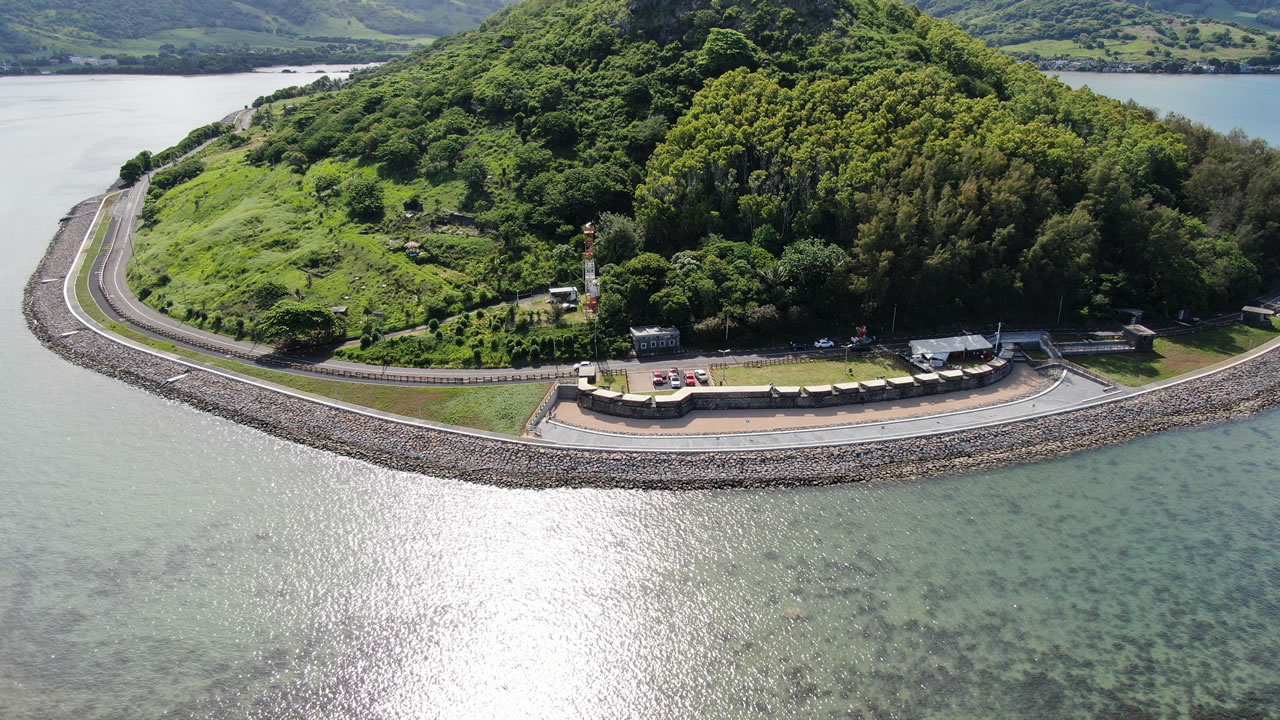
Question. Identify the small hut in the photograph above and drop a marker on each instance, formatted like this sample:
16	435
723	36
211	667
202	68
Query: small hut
1257	316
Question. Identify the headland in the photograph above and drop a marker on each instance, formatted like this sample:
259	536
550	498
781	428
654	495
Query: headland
1243	387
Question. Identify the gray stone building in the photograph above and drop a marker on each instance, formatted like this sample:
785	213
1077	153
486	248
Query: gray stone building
655	340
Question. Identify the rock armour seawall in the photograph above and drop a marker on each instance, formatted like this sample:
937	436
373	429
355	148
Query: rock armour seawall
1233	393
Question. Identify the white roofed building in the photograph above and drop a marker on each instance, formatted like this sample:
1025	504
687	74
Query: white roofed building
938	351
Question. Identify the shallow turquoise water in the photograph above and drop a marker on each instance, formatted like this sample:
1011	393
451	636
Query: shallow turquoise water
155	561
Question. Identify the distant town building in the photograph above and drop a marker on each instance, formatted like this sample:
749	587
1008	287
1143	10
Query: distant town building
103	62
655	340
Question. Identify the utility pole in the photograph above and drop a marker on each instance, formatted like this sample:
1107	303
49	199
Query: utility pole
1059	323
893	328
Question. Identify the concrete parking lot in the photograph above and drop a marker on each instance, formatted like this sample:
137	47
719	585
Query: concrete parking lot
641	381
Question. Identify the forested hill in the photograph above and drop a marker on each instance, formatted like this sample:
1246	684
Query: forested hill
28	26
773	164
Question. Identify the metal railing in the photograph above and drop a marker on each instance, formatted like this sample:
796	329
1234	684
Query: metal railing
276	361
548	401
1090	347
1079	370
1221	320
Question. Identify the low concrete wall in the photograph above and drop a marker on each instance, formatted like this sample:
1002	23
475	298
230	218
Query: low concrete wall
769	397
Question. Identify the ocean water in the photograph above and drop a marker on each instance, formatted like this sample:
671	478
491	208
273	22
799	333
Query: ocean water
159	562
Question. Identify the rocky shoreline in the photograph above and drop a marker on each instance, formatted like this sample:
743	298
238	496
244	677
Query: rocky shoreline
1234	393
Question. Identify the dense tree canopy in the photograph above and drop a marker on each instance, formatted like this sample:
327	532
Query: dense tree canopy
752	163
294	324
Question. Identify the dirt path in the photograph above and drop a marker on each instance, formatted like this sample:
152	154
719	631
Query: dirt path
1022	382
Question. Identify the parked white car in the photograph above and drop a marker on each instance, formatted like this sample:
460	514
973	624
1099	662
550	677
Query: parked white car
823	343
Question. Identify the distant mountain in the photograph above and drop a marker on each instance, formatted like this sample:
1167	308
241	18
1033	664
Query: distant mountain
31	25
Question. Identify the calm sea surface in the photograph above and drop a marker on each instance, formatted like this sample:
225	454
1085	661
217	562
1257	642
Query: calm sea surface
156	561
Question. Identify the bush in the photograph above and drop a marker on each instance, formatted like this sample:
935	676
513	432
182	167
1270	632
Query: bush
364	199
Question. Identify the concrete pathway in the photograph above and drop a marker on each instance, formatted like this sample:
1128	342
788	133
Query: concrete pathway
864	423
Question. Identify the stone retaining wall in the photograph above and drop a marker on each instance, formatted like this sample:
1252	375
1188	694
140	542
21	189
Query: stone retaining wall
769	397
1232	393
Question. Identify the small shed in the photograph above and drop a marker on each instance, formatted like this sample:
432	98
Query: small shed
412	248
1142	338
338	309
938	351
564	294
655	340
1257	316
1135	315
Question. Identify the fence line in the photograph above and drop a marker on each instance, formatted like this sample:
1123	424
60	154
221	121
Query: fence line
1228	319
268	359
552	395
1079	370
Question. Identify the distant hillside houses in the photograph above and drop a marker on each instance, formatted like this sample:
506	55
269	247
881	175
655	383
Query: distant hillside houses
105	62
1176	66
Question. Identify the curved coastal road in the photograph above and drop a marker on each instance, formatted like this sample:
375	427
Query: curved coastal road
1069	392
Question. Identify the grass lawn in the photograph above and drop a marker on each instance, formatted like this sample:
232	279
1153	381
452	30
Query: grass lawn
616	381
494	408
1177	355
820	372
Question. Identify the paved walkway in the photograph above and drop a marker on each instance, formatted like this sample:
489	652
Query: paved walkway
828	426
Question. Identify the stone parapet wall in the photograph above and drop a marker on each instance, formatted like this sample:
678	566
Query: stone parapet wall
769	397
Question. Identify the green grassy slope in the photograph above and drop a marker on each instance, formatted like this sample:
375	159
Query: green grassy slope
96	27
219	237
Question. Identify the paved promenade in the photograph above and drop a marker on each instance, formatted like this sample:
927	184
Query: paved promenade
745	429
